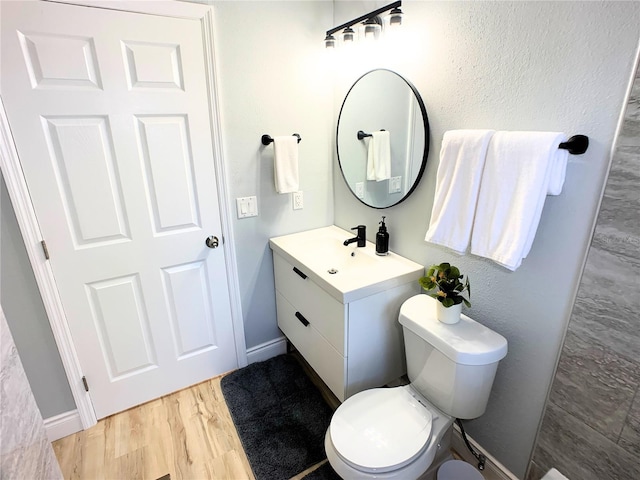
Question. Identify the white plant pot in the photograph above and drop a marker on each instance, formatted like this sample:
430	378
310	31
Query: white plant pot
449	315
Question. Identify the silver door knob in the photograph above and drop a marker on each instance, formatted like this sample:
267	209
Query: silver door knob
212	242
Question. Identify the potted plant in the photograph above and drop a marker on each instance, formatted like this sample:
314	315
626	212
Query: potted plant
450	286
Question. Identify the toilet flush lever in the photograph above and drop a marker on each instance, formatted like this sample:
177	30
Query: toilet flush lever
212	242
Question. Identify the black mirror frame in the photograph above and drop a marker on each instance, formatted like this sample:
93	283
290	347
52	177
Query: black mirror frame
425	121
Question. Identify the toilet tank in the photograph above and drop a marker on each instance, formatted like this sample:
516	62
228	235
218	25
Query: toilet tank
452	366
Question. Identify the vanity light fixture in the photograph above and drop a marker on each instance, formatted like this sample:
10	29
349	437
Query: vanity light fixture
372	24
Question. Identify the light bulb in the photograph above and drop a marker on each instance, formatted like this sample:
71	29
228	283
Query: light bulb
329	41
348	35
395	17
372	28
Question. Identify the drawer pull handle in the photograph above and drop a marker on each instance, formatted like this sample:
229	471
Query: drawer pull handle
299	272
303	320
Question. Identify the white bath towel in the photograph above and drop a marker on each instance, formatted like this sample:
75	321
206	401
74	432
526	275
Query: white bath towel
513	189
558	170
379	156
462	158
285	163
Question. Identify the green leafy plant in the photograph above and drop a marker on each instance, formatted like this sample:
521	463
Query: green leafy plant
450	285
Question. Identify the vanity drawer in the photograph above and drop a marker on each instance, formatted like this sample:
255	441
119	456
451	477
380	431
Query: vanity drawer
323	358
324	312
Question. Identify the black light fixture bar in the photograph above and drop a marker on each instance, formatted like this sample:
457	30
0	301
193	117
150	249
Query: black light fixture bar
361	19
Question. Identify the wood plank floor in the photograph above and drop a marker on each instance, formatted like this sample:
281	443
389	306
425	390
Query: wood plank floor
188	434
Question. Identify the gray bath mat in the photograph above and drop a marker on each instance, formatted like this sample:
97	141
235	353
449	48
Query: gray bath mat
280	416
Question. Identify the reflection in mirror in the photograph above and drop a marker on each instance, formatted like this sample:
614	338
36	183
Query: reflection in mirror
383	100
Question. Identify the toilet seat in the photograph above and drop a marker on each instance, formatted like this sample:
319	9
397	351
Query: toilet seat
381	429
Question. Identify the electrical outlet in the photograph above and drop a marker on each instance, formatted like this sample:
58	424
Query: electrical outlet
360	189
395	184
298	200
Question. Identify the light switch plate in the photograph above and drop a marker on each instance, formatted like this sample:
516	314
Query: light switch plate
247	206
395	184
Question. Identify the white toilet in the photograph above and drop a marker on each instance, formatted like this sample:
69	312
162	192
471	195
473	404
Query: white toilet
405	432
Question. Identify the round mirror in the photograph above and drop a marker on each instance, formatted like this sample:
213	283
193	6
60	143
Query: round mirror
378	175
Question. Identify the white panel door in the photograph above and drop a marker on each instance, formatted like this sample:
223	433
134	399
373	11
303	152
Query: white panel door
110	114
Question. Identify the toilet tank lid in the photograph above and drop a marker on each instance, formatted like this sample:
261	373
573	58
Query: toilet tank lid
466	342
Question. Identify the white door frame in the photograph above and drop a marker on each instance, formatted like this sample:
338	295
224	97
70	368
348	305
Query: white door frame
28	223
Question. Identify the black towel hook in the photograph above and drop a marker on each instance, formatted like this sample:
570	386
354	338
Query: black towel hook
576	145
267	139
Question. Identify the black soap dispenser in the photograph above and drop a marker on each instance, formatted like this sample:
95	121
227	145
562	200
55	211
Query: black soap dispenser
382	240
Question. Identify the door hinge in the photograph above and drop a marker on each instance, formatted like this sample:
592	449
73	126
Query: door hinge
84	382
45	249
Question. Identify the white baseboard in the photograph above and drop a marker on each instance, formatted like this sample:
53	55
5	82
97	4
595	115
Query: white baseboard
493	469
67	423
267	350
60	426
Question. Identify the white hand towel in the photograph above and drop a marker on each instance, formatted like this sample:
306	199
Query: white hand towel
285	163
462	158
513	189
379	156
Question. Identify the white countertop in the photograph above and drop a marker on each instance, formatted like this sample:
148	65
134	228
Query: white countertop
360	272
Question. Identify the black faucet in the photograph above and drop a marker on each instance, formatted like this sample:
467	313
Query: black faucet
361	238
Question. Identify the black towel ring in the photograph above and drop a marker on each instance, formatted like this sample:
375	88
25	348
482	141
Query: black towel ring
362	135
267	139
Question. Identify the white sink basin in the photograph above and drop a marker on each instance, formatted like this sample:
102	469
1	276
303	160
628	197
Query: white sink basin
346	272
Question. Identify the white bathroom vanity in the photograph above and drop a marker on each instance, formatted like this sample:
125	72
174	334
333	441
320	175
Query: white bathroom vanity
338	305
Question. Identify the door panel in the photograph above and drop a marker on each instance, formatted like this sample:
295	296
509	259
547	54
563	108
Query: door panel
87	177
153	65
110	115
117	305
190	308
168	171
60	61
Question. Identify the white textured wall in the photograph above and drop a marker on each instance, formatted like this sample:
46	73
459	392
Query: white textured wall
556	66
273	80
594	404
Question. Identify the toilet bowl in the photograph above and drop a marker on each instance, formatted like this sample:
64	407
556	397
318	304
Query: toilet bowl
405	432
386	433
